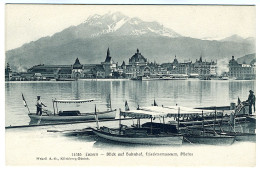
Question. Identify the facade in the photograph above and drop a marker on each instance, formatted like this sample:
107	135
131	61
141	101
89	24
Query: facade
75	71
109	65
51	71
200	68
138	67
241	71
8	72
204	68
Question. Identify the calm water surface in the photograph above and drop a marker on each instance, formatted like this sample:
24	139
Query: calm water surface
191	93
25	144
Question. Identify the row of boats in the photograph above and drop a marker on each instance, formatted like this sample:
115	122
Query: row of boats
175	133
193	125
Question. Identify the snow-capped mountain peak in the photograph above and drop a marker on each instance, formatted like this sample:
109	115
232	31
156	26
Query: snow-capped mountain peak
120	24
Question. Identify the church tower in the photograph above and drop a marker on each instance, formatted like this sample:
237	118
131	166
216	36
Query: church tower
108	65
77	70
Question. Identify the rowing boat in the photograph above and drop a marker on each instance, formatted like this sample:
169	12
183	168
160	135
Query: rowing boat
70	115
79	117
139	134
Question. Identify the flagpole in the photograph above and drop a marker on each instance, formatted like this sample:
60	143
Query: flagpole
96	117
26	105
110	102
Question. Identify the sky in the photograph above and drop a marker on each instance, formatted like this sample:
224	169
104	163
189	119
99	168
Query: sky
27	22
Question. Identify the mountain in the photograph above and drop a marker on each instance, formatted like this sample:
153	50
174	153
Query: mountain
123	35
239	39
247	59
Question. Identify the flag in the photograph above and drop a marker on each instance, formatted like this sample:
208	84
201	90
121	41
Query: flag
126	106
24	102
154	103
239	107
238	101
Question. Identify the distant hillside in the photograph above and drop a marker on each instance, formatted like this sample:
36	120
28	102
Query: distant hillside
239	39
123	35
247	59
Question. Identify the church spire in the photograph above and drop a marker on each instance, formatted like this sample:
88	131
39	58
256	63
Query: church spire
108	57
108	52
200	58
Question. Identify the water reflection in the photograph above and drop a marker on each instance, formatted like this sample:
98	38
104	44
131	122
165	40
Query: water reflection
191	93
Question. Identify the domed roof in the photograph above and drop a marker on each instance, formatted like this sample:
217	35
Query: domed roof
77	64
175	61
138	57
233	61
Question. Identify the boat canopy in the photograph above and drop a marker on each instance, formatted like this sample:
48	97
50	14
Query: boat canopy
73	101
165	111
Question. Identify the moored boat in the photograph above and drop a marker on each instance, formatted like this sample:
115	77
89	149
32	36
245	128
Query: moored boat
209	140
192	135
79	117
70	115
139	134
239	136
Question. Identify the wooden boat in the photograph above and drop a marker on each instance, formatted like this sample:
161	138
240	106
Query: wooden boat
80	117
209	137
65	79
85	131
251	118
239	136
138	134
209	140
70	115
193	135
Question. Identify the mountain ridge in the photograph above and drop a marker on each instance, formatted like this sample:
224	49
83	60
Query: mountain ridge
89	43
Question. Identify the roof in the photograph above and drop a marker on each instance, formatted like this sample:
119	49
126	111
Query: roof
65	71
108	57
42	66
166	111
123	64
137	57
100	68
74	101
77	64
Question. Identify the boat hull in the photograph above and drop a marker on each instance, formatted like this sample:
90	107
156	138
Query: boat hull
107	115
251	118
150	140
239	136
245	137
210	140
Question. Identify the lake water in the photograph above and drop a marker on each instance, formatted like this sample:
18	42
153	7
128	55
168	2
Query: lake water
191	93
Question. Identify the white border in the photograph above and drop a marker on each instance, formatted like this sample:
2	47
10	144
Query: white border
2	57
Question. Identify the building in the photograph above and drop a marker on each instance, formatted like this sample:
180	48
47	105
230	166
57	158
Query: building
138	66
109	65
77	70
106	69
241	71
204	68
8	72
199	68
51	71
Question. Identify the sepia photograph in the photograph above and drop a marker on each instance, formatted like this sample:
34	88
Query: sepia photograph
130	85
